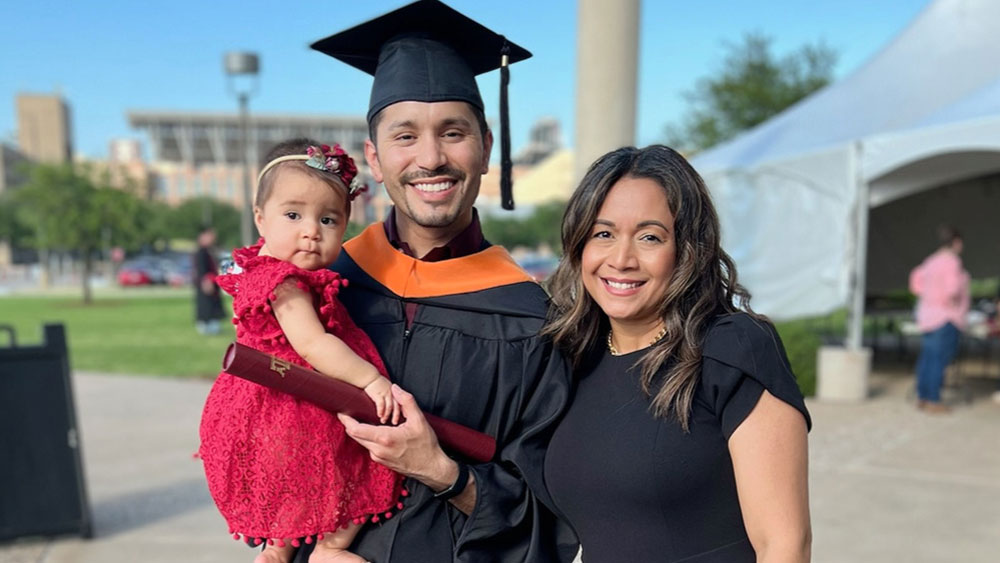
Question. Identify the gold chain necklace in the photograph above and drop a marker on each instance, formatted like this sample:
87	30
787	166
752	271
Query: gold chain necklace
657	338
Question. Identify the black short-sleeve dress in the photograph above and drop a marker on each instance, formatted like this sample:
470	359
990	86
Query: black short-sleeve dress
638	488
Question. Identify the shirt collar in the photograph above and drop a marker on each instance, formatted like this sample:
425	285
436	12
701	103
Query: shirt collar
467	242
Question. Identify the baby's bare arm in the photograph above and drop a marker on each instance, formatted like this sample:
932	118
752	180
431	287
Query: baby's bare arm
328	354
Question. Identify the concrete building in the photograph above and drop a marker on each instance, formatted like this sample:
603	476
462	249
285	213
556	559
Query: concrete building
125	168
201	154
544	139
43	135
12	163
11	175
43	128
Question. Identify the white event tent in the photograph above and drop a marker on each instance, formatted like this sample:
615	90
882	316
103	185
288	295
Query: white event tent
839	196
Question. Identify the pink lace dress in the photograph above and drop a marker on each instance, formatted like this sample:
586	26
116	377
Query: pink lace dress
280	468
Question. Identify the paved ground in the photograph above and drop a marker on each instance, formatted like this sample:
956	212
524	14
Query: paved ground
888	483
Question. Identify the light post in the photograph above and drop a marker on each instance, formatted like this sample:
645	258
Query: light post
244	64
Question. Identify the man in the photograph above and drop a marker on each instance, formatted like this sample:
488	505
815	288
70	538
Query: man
207	297
454	318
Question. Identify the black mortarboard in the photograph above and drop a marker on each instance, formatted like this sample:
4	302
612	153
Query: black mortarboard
428	52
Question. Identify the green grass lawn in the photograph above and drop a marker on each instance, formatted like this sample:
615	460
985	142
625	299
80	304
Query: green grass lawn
148	333
152	333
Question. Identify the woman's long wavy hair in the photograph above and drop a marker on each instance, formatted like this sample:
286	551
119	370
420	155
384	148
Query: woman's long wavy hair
703	284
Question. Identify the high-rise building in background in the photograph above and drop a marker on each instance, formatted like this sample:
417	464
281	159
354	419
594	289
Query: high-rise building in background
43	135
43	128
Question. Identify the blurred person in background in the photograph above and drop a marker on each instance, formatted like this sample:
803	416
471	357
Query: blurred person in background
686	436
207	298
941	285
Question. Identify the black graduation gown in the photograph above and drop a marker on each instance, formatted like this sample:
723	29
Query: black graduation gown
472	355
208	306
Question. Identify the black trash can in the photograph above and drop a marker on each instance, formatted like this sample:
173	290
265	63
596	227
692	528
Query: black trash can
42	488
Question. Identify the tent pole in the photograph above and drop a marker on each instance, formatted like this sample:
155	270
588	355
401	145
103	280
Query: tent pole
856	316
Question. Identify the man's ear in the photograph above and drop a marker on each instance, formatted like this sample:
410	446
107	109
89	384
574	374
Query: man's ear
371	155
487	147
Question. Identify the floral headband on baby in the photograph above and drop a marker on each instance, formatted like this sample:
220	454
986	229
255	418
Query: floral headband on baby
333	160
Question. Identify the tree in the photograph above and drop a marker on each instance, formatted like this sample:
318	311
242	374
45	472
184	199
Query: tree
752	86
69	208
353	229
152	221
62	206
542	227
187	219
12	228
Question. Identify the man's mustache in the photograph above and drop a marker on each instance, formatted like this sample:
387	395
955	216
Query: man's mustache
447	171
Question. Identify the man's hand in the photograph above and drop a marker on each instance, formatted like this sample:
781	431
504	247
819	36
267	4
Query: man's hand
411	448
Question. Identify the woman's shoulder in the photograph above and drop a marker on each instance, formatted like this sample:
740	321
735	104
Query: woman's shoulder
740	339
740	346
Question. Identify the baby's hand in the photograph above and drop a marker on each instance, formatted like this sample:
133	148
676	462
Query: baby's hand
386	407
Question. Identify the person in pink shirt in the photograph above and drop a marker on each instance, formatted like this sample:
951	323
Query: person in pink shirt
941	285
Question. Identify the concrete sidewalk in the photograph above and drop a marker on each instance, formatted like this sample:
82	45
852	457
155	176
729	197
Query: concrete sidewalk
887	482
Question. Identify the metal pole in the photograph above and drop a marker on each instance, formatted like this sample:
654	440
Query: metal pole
856	314
246	218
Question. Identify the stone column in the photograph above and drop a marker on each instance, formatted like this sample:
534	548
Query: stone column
607	66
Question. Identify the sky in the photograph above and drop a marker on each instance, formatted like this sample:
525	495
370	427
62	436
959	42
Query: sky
111	57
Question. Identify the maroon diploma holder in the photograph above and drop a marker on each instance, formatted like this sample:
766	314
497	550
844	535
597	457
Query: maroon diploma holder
337	396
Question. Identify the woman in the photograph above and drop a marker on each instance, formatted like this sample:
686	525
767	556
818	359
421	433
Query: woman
686	437
941	285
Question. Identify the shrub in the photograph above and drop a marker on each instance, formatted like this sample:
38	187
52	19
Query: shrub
801	342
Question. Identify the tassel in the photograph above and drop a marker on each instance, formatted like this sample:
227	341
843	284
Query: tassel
506	185
295	542
309	540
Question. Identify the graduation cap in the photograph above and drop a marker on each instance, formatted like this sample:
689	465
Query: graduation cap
428	52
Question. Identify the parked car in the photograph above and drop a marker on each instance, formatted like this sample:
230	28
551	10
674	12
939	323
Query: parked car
173	269
177	269
539	268
139	271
